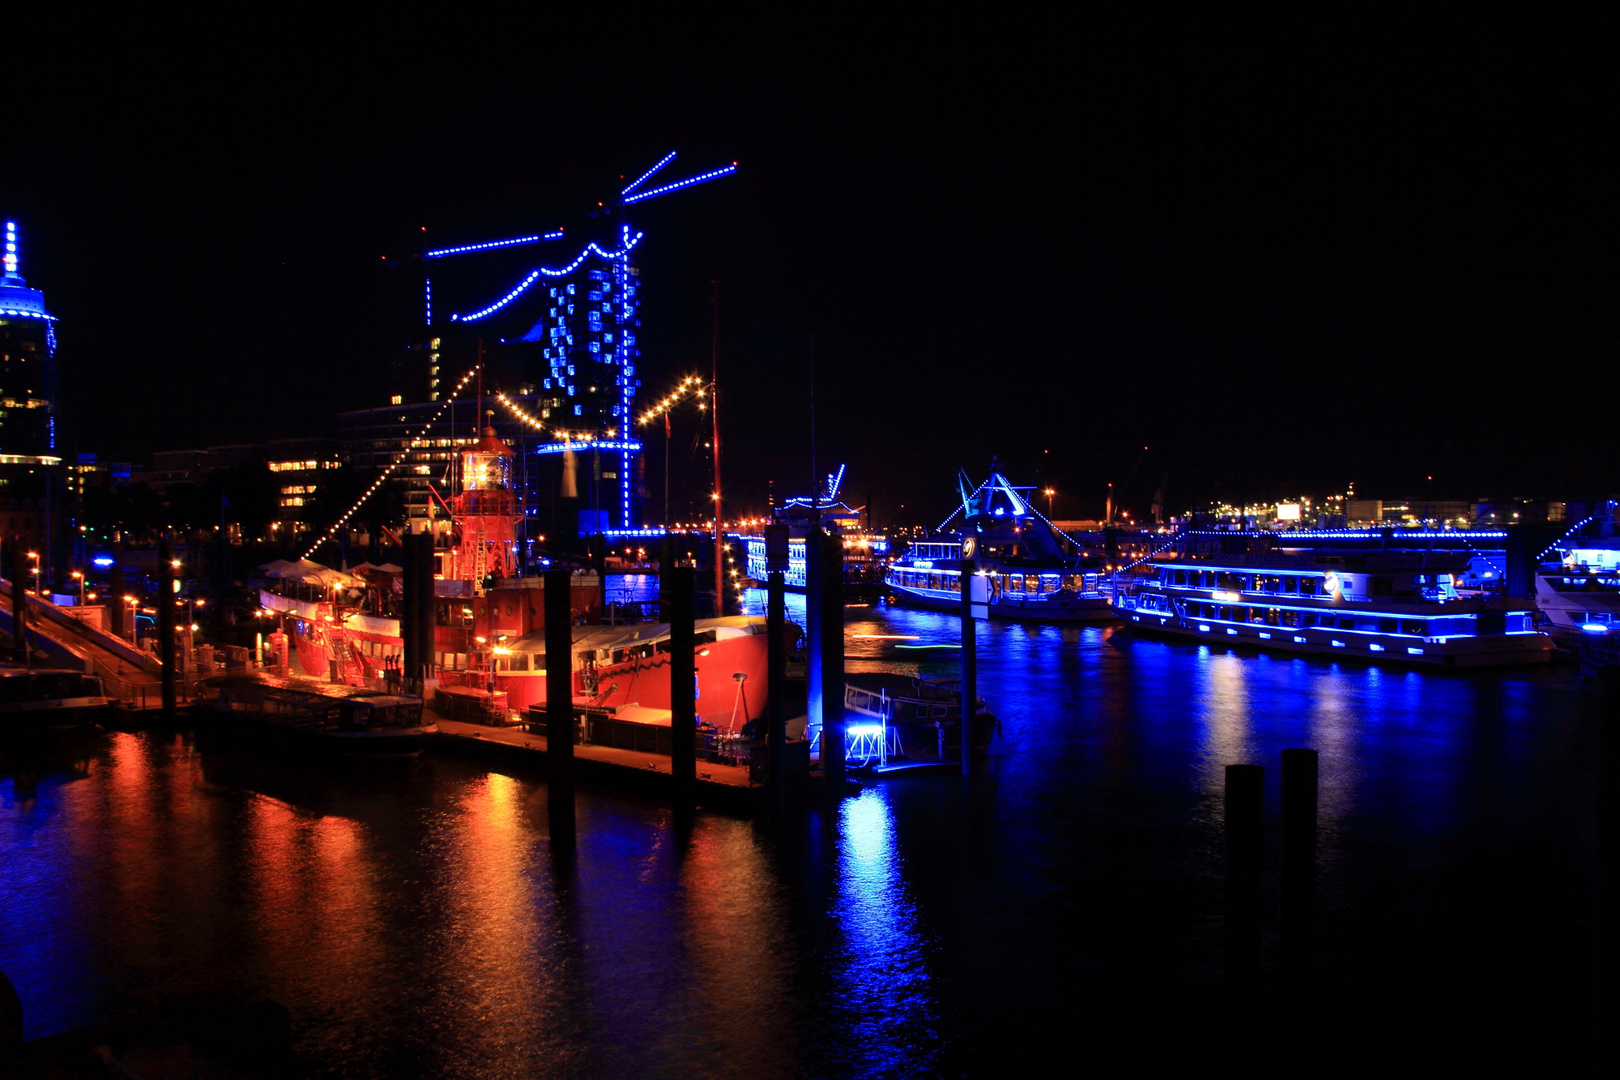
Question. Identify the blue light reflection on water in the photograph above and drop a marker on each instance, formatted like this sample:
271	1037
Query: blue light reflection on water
417	924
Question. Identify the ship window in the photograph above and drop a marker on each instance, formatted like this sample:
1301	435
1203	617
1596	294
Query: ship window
1290	584
1290	618
1412	626
1307	586
1347	624
1307	620
1272	616
1181	577
1387	626
1382	586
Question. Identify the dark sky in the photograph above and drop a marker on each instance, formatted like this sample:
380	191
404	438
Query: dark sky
1283	255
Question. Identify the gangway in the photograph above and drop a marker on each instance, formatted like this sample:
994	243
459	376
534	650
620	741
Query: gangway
130	674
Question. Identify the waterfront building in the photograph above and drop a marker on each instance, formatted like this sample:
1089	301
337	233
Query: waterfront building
30	467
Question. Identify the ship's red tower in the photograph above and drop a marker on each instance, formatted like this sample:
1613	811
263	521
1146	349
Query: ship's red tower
487	516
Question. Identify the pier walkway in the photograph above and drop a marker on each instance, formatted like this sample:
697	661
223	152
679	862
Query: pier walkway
717	784
128	673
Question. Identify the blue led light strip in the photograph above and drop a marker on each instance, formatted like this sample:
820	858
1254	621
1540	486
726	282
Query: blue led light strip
701	178
627	240
555	234
669	157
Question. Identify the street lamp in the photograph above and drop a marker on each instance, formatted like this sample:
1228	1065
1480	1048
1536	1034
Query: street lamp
1049	492
79	576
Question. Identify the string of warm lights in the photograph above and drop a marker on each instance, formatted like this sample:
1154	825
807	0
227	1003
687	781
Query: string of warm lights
691	386
388	471
540	425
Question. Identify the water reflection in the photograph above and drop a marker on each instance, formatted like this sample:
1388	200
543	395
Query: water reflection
420	922
885	992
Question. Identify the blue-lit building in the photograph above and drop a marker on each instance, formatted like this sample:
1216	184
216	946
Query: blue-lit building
29	463
555	317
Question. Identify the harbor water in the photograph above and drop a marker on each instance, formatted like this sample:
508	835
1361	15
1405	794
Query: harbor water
1065	906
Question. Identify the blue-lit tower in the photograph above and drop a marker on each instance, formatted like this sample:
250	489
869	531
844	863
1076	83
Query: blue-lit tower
581	314
27	361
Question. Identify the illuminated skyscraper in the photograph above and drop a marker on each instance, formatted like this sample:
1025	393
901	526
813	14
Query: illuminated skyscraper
27	362
28	462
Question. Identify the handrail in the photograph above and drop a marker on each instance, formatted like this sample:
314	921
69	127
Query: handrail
88	634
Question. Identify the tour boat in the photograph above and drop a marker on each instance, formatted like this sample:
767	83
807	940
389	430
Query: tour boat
325	716
47	699
1400	608
865	550
1030	570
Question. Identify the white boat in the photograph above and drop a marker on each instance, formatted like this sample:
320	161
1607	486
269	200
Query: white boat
1029	569
1384	608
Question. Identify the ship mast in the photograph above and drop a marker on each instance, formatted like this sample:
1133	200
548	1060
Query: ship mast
714	413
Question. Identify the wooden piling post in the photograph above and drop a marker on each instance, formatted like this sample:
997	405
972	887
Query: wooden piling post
560	703
832	665
165	620
1606	966
19	601
1299	798
970	653
776	671
1245	822
676	588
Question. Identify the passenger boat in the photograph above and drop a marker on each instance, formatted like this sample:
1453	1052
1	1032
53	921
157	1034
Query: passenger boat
1030	570
1386	608
324	716
49	699
1578	588
866	550
1578	601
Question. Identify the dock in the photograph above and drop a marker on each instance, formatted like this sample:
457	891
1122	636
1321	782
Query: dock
719	785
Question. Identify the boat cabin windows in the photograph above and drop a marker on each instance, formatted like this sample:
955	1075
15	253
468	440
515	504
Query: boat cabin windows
1307	586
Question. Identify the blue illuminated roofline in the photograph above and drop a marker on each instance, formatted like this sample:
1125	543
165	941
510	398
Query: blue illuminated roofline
27	314
439	253
595	444
628	241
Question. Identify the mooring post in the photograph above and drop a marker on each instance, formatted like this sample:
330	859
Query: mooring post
832	665
19	602
560	703
165	620
676	588
1606	968
1245	822
776	671
970	654
410	614
1299	798
425	607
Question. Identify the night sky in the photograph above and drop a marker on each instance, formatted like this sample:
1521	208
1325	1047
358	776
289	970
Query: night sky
1284	255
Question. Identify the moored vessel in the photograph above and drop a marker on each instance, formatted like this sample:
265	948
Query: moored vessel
1398	608
49	699
323	716
1030	570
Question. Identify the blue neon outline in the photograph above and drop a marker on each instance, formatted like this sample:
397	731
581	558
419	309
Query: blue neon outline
628	240
669	157
700	178
555	234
